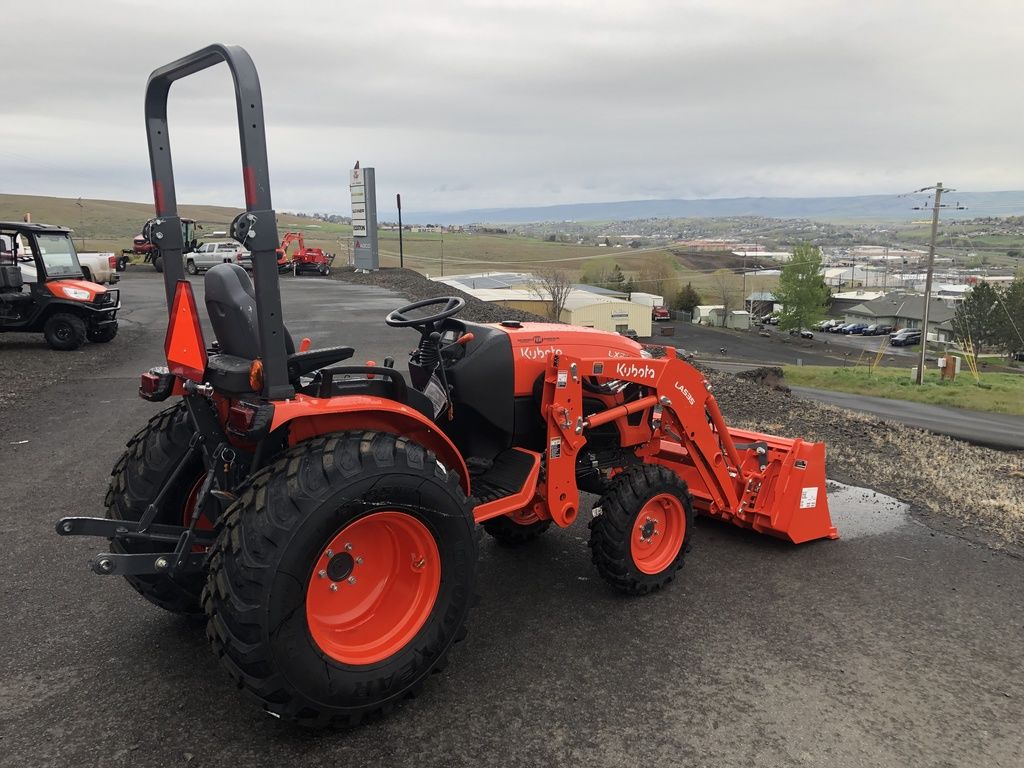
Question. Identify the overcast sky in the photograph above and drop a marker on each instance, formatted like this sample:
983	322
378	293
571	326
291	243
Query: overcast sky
485	104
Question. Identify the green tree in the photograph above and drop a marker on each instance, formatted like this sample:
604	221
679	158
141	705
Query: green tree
802	291
687	298
976	317
1008	318
616	277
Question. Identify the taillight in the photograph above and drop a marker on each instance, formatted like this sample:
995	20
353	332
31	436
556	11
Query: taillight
156	384
241	418
112	261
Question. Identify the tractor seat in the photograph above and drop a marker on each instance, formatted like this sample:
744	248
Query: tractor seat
231	305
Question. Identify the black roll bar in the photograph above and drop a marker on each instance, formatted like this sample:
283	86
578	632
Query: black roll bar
256	229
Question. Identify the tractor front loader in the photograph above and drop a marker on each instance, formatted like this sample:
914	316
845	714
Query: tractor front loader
323	516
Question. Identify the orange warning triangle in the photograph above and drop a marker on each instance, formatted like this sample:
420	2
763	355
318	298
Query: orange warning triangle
184	344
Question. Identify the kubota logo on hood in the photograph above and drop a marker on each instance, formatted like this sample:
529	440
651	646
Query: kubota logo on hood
634	371
538	353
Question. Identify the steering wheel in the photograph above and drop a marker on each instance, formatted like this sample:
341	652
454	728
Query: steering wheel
452	305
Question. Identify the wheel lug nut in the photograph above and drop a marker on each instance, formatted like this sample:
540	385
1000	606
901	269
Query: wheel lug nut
351	579
330	553
322	574
348	547
359	561
419	563
334	587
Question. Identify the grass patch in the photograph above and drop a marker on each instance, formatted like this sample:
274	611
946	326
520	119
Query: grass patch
997	393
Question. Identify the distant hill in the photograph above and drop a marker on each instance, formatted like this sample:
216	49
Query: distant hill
115	220
864	207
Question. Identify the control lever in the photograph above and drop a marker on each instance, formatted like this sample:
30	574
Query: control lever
389	362
463	340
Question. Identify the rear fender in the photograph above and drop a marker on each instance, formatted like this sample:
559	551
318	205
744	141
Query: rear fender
307	417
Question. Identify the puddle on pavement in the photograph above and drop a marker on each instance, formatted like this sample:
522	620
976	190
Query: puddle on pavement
860	512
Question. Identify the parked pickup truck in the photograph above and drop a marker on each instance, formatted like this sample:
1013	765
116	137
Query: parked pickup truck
660	313
211	254
99	267
96	268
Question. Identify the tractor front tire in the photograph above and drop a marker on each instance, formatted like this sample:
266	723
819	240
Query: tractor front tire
343	576
516	529
158	263
148	461
102	335
641	536
64	331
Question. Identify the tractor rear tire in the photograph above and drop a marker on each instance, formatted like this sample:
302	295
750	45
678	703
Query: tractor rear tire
191	268
64	332
102	335
158	263
509	531
641	536
137	477
301	601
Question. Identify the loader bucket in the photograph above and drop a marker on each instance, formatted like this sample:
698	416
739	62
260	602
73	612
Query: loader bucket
791	502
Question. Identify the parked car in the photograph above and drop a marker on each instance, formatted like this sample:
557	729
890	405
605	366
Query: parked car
629	333
211	254
837	327
660	313
906	338
883	330
871	330
805	334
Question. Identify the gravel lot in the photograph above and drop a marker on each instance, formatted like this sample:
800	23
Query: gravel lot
974	491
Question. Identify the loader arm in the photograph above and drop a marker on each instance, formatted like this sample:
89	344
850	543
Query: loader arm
771	484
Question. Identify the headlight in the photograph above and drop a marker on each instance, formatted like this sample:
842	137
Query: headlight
75	293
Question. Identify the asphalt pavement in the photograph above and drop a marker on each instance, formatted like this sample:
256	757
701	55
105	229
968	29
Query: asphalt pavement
734	351
896	645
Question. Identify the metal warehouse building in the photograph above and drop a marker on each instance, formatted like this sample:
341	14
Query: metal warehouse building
582	307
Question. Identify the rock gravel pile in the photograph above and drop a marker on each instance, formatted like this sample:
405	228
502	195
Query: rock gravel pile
959	487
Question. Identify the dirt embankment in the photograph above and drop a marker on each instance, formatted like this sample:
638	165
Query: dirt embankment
974	491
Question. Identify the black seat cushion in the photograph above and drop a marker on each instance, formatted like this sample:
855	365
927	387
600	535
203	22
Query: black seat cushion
10	277
231	305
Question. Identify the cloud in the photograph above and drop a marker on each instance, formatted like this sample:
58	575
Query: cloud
462	105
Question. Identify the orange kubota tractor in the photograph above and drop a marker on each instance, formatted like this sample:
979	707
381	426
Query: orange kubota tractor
323	516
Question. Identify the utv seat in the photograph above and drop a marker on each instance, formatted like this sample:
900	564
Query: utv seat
231	305
10	285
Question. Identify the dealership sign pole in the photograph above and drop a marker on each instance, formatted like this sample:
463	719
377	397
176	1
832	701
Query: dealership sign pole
362	187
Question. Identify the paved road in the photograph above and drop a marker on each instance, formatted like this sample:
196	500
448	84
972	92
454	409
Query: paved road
894	646
995	430
743	352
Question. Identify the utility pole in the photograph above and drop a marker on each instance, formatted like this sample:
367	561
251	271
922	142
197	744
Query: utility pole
745	279
442	253
81	224
401	252
939	189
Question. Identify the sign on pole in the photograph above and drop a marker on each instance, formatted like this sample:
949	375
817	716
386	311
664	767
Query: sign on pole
362	187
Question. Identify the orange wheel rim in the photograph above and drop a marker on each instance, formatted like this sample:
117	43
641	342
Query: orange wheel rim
373	587
657	534
524	516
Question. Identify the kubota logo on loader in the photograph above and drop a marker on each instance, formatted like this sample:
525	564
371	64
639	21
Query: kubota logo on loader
635	371
538	353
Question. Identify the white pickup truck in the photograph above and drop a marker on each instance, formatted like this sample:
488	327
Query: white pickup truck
99	267
96	268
